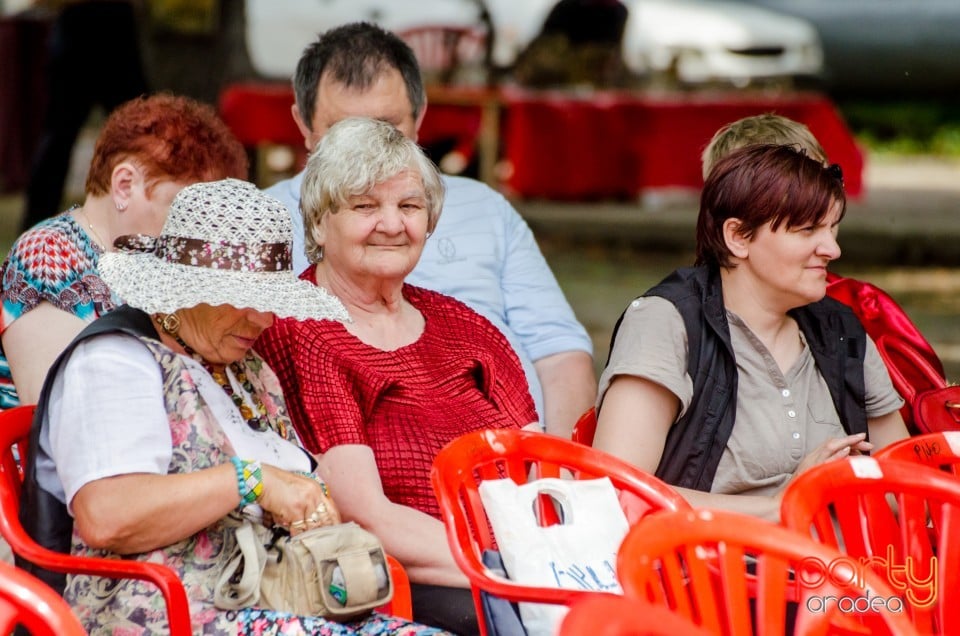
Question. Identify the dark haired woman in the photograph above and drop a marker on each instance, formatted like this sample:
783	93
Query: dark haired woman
730	377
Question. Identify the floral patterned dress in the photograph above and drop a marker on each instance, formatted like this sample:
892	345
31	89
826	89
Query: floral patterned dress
130	607
56	261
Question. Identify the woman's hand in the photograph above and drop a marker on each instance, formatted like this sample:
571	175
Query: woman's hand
835	448
295	501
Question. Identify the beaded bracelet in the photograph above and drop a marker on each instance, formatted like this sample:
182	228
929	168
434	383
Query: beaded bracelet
249	480
317	478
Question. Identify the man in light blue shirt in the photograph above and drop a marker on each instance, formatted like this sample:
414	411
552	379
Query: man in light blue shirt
482	252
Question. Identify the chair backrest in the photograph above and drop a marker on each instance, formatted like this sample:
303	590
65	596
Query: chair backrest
882	316
585	427
402	602
522	456
902	517
445	52
14	431
28	602
699	564
624	616
941	450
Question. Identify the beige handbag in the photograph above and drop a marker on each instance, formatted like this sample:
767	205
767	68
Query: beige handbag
338	572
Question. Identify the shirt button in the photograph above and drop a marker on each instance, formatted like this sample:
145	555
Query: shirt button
796	436
785	393
792	413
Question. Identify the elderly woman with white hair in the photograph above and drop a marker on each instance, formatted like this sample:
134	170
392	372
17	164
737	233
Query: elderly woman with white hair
380	396
159	425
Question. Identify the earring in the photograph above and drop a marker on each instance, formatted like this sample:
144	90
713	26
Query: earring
170	323
319	253
120	208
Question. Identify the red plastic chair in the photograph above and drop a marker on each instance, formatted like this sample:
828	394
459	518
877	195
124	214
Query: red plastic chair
941	450
897	514
14	430
585	428
699	564
621	616
523	456
933	404
26	600
401	604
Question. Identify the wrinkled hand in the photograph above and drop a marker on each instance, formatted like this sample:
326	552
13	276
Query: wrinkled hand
835	448
295	501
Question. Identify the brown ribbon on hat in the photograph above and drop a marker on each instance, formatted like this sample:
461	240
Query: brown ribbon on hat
222	255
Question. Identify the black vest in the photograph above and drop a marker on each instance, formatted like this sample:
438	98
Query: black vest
696	441
43	516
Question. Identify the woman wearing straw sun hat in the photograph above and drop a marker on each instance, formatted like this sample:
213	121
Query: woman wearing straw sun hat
158	421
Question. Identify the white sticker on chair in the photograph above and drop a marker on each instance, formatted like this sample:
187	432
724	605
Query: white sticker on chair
953	441
866	468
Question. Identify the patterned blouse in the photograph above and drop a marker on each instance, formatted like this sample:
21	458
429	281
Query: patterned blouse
56	261
461	375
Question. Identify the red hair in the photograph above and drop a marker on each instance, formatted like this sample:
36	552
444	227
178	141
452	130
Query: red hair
763	184
170	138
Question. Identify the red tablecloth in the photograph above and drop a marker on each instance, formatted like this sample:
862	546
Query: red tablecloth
568	146
562	146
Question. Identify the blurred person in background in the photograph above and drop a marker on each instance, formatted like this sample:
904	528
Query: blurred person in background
94	60
147	151
767	128
481	252
579	44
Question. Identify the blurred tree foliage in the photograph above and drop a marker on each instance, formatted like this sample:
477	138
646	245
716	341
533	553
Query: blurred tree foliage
930	127
187	17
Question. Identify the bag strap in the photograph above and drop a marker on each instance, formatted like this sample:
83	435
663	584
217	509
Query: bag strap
359	577
250	559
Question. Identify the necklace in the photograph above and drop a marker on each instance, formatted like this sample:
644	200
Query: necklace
96	236
258	421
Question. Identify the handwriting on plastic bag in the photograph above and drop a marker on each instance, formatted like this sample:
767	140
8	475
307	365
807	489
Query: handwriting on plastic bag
596	576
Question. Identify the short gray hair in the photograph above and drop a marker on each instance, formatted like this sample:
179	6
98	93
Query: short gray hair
354	155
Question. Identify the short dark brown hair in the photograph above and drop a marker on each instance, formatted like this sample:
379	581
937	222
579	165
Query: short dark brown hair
355	55
763	184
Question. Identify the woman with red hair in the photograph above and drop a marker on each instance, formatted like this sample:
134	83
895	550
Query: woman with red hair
147	151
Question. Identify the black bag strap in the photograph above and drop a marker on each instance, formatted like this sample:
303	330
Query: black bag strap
42	515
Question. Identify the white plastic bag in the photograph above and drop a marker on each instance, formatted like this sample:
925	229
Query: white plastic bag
578	553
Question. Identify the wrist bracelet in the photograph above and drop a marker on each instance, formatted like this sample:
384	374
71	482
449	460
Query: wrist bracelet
249	480
317	478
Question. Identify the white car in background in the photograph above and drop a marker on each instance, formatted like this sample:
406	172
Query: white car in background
278	30
691	41
702	41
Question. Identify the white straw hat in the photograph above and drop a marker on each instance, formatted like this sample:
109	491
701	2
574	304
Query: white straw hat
224	243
